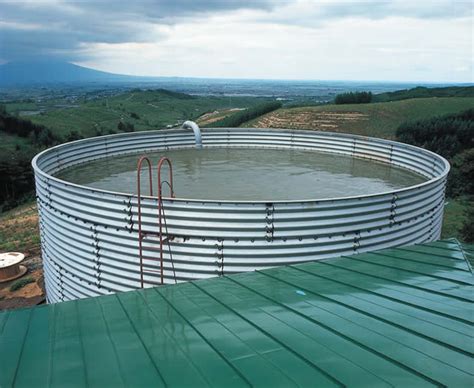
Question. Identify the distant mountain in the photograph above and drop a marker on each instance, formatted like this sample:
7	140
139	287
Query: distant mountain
45	72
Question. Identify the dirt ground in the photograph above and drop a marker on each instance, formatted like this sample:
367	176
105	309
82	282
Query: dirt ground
29	295
307	118
19	233
209	118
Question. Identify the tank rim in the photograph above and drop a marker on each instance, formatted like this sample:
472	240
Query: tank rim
428	182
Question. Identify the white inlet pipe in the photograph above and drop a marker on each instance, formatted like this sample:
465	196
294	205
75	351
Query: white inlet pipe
197	131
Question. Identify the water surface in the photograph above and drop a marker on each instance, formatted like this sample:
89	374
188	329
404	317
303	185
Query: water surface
249	174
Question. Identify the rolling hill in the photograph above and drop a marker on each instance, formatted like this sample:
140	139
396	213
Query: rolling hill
423	92
144	109
377	119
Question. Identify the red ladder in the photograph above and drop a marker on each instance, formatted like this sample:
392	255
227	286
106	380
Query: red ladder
164	238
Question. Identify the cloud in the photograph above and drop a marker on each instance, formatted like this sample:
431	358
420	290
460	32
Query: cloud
297	39
314	14
238	45
29	29
437	9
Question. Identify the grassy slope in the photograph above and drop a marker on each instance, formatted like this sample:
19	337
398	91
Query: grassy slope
454	217
10	142
155	109
377	119
19	230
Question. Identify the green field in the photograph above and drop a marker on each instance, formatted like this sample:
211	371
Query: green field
19	229
455	216
11	142
155	109
375	119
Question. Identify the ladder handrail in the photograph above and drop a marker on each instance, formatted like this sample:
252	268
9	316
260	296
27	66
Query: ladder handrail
170	176
161	211
139	188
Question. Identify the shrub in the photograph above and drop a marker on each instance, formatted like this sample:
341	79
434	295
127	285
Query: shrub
74	135
125	127
21	283
451	136
446	135
467	231
461	178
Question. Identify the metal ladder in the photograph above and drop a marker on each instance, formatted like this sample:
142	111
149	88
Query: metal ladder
162	234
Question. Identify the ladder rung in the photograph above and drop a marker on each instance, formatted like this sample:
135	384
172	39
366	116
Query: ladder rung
151	271
154	283
156	249
151	259
150	234
153	234
166	240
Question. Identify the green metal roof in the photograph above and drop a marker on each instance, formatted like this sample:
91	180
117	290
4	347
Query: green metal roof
469	253
396	317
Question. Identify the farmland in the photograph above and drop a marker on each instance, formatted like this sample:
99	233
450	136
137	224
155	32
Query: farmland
147	109
376	119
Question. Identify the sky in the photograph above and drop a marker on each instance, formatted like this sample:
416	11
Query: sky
399	40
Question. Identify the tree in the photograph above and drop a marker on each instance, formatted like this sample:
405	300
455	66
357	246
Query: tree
353	98
241	117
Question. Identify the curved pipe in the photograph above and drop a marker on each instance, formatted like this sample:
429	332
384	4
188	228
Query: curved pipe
197	131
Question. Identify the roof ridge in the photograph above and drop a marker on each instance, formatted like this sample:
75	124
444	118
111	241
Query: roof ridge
461	248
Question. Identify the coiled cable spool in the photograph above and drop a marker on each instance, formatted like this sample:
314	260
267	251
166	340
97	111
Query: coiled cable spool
10	267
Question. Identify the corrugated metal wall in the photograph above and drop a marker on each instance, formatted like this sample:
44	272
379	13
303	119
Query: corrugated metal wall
89	236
